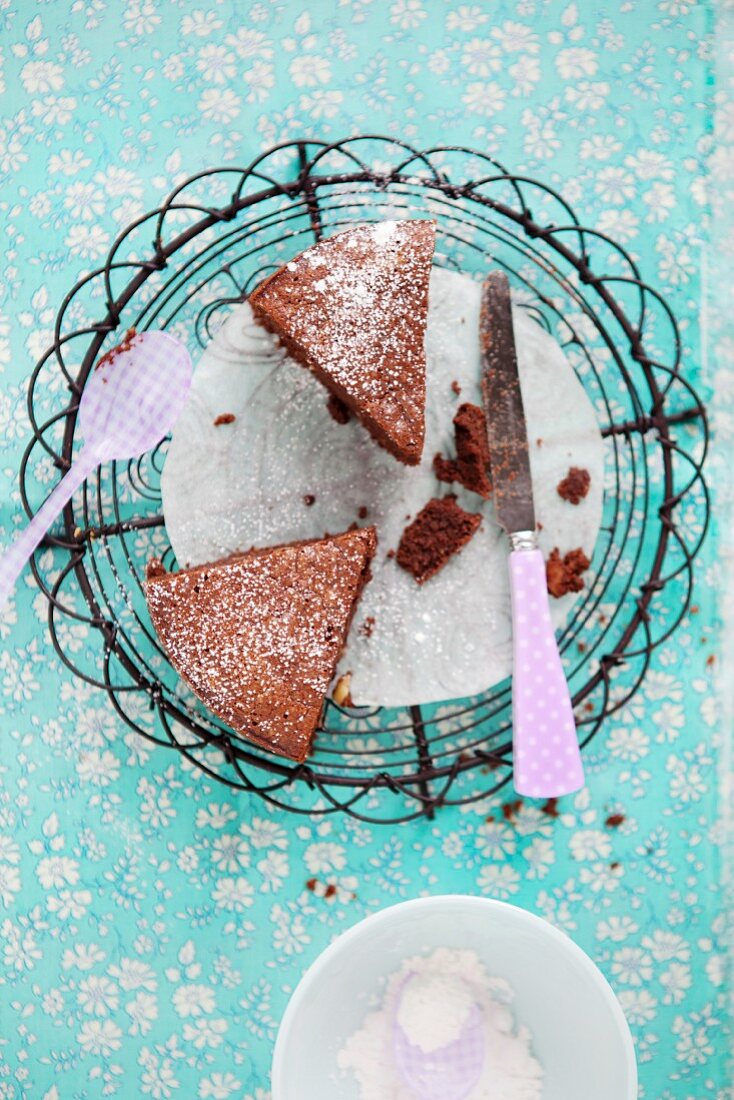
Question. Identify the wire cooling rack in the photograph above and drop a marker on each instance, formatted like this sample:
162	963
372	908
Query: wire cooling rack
182	267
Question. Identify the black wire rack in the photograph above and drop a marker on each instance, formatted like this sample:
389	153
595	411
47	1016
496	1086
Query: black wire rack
182	267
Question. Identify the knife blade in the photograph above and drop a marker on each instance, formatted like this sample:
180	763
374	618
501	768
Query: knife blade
546	758
503	409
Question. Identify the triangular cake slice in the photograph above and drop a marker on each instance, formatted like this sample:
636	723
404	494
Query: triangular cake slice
257	636
353	309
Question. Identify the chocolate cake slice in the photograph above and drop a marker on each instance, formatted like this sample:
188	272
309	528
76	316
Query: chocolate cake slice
257	636
353	309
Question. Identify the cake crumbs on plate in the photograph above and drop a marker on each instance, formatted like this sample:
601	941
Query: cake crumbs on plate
575	485
563	575
224	418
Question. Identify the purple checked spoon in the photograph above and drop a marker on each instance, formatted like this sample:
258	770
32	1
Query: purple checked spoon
447	1073
130	402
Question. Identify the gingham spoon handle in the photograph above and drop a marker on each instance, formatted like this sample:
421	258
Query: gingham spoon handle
15	558
546	757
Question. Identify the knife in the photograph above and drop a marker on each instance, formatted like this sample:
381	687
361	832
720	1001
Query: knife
546	757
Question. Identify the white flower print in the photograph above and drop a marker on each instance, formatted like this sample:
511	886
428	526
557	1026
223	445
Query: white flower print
407	14
143	1012
230	853
193	1000
134	974
484	98
141	17
220	1086
590	844
233	894
97	995
200	24
499	880
220	105
100	1037
467	18
216	63
39	77
576	62
481	57
9	884
308	71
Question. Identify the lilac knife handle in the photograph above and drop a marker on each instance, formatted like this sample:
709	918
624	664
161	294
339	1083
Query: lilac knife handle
547	761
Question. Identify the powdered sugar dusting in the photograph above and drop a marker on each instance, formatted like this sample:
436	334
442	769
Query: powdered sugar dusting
510	1070
353	308
258	637
224	490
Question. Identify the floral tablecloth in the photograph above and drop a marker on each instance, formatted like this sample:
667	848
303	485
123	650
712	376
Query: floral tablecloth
152	923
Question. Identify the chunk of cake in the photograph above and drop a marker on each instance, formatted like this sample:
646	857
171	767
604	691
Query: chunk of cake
257	636
575	485
440	530
353	309
471	465
563	574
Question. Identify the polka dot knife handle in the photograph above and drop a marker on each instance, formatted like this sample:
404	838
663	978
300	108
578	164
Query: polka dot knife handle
547	761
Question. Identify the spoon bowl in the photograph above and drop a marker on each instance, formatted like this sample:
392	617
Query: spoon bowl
449	1072
130	402
135	394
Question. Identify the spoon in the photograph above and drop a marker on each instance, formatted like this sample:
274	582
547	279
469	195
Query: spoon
449	1072
129	403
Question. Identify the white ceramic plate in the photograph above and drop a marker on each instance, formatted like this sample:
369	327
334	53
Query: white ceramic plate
579	1032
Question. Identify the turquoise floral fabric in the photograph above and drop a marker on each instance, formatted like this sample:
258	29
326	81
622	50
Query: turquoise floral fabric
152	922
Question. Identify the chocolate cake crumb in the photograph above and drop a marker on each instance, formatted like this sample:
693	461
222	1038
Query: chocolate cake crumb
363	511
563	575
309	499
390	554
330	890
456	387
510	810
367	626
471	466
550	808
338	410
614	821
439	531
575	485
224	418
538	442
311	884
125	344
155	568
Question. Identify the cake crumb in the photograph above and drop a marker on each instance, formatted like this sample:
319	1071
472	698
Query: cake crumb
363	511
224	418
125	344
390	555
367	626
563	575
471	465
309	499
440	530
575	485
338	410
614	821
456	388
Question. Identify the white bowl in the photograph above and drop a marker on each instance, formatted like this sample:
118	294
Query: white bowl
580	1035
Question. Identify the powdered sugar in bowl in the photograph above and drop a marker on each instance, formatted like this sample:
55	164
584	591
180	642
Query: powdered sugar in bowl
558	1015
